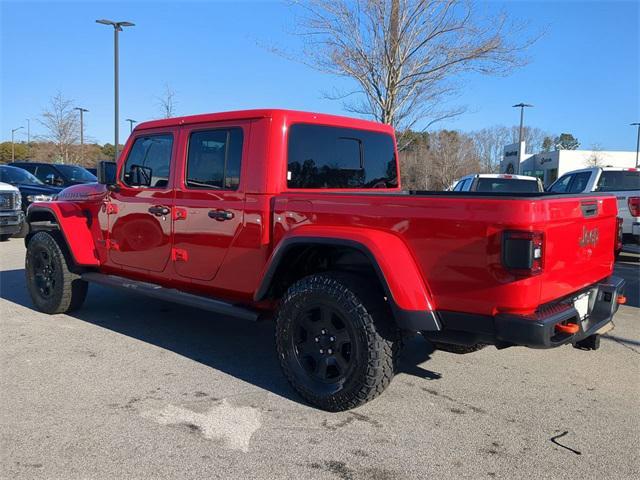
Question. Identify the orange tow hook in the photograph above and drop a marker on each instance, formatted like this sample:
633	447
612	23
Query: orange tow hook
569	328
621	299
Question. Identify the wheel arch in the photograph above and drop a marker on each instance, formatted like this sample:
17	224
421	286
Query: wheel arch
71	223
381	253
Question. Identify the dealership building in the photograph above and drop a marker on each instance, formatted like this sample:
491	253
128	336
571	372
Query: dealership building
548	166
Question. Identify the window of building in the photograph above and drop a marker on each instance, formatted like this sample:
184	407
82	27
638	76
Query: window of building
333	157
214	159
149	161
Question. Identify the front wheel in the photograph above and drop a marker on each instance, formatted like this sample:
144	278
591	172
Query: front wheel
336	340
53	287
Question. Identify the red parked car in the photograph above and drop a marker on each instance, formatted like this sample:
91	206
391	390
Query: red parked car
302	215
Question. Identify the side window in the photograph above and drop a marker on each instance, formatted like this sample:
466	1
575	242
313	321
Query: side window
149	161
561	185
458	186
579	182
214	159
43	170
466	185
333	157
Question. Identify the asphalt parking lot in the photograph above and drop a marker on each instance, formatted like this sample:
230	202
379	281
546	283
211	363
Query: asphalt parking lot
130	387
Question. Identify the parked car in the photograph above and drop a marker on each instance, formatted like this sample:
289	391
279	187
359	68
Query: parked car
57	174
301	216
498	183
623	183
31	189
11	214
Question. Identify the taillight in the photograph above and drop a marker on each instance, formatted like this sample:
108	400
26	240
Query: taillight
618	234
634	206
523	252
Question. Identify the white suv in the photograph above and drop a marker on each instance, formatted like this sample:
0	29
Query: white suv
624	183
498	183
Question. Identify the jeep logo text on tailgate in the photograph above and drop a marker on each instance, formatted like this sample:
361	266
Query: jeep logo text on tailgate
589	237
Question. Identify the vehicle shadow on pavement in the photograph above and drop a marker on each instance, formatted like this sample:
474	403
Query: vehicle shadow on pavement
236	347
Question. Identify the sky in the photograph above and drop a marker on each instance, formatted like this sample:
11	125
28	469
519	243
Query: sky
583	76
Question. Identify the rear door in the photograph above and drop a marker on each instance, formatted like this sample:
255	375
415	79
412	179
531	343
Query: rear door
141	206
209	202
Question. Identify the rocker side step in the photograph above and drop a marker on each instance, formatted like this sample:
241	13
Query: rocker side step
171	295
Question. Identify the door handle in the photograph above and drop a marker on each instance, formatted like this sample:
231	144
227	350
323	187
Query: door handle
220	215
159	210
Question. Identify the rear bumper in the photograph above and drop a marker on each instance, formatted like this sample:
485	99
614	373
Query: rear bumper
539	330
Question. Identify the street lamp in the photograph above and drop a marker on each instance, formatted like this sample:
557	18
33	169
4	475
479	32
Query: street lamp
81	110
28	130
522	106
636	124
13	148
131	122
117	27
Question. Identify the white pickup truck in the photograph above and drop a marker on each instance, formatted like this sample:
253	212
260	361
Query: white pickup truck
11	215
624	183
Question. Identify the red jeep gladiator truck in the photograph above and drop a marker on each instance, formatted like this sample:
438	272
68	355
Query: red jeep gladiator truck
302	216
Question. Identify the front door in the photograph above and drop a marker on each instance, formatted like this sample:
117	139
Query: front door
140	208
209	204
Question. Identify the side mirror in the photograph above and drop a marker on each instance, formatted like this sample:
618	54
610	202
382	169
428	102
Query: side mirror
106	173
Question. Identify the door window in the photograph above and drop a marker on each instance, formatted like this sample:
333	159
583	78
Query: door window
214	159
149	161
579	182
562	185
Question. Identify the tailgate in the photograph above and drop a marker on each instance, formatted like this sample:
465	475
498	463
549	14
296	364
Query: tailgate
580	237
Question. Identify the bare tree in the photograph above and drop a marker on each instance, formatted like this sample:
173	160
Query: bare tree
405	55
452	155
167	102
489	144
62	126
595	159
533	136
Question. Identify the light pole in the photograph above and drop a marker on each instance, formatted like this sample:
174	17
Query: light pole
117	27
82	111
636	124
13	148
28	130
131	122
522	106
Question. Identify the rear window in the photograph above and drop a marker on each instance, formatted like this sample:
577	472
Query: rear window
612	181
508	185
332	157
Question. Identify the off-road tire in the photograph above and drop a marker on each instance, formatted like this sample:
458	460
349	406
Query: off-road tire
67	290
375	338
4	237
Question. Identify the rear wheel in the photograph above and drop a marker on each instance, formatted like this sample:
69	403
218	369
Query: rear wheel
53	287
336	340
4	237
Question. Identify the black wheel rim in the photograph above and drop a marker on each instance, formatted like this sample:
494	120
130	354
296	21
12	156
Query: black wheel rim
324	344
44	273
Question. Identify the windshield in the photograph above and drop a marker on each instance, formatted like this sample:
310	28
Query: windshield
506	185
616	181
15	175
76	174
